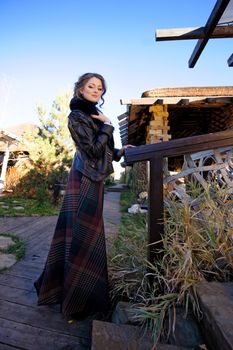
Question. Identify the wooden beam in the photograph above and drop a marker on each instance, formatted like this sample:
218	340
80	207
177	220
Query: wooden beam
123	134
122	116
193	33
180	146
147	101
183	102
4	168
123	122
155	217
125	128
212	22
209	100
159	101
124	131
230	61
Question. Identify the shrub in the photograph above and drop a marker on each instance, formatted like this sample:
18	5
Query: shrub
29	183
109	180
37	183
12	178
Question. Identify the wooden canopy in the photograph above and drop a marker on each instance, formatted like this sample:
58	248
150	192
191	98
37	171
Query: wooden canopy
7	138
12	135
218	25
192	111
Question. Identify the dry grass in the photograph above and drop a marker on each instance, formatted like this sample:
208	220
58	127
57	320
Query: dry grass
197	245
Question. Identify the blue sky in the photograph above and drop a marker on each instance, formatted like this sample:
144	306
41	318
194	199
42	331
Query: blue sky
46	45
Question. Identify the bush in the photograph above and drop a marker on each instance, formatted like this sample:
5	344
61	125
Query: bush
38	184
12	178
42	193
109	181
126	200
29	184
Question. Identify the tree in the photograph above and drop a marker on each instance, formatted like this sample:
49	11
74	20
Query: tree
50	148
50	145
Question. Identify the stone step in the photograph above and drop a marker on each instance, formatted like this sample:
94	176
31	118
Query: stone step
216	301
117	188
106	336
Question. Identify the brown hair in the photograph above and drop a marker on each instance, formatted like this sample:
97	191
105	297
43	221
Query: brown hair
83	79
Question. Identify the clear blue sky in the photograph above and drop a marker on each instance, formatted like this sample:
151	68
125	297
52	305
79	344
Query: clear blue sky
46	45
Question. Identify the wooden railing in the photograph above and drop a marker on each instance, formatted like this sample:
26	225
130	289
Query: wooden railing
154	153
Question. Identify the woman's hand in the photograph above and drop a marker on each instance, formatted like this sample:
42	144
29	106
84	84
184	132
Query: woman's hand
102	118
121	152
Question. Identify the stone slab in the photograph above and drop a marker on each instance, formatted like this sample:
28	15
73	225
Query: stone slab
216	301
117	188
5	242
187	330
106	335
7	260
18	208
123	313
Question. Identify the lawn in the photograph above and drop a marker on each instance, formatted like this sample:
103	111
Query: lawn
17	206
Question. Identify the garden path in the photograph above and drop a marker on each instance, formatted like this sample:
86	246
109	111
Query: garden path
23	325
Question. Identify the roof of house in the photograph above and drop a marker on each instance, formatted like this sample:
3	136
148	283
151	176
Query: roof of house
192	102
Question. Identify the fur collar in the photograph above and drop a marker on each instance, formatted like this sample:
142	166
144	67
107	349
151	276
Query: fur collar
83	105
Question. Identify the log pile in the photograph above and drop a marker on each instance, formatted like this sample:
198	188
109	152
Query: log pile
158	128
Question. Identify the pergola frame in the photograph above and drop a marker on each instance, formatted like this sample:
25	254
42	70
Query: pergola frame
203	34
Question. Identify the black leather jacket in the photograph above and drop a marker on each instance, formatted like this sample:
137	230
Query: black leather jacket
94	145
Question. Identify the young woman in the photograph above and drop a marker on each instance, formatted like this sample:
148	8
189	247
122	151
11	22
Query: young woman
75	274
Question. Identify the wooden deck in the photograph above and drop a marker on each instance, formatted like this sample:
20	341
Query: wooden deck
24	325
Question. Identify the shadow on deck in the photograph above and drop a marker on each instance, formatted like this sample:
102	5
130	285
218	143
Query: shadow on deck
24	325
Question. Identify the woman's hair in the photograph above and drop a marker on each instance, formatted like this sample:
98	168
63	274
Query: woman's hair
83	79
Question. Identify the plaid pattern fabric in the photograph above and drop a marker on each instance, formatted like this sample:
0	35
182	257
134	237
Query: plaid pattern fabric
75	273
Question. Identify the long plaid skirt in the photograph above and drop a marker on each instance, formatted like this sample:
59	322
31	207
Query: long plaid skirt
75	273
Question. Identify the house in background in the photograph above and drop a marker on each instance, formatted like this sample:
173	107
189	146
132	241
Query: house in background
12	150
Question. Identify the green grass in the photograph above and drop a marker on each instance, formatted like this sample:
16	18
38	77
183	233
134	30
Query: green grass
127	258
18	248
32	207
126	200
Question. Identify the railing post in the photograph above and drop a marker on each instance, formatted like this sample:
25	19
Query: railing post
155	218
4	168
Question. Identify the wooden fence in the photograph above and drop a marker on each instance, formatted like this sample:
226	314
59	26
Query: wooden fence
155	154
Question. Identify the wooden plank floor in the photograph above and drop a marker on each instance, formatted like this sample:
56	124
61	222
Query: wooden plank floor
24	325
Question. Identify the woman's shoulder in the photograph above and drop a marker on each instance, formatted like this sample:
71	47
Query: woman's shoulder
79	116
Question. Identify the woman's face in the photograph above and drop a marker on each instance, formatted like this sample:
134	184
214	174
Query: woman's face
92	90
